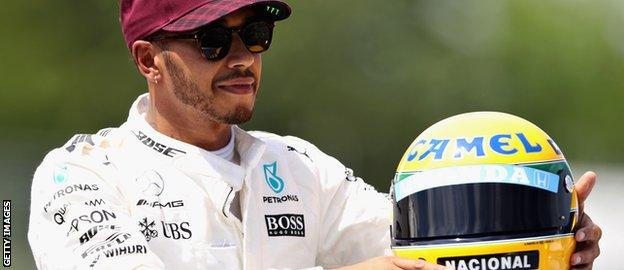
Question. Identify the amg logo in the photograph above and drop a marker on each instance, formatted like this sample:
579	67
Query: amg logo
285	225
510	261
158	147
95	202
171	204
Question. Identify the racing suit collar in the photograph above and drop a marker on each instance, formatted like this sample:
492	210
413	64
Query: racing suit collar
193	159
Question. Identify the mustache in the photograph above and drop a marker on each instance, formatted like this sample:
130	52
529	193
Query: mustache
236	74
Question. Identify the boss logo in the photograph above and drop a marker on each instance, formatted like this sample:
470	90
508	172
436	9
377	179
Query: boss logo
285	225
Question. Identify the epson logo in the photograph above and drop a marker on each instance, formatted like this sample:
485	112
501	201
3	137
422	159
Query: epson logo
171	204
97	216
285	225
502	261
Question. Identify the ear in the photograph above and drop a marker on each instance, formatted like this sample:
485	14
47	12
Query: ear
144	55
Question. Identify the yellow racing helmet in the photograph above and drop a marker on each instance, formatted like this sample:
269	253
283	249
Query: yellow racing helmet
484	191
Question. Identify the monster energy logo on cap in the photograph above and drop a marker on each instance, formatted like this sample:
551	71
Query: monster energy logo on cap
272	10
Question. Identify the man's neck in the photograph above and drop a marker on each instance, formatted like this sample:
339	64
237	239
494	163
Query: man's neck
205	134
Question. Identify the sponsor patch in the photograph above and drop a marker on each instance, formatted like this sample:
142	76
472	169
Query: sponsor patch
304	153
60	174
285	225
472	174
78	138
69	190
509	261
125	250
280	199
158	147
114	239
176	231
93	231
171	230
151	183
171	204
275	182
147	229
97	216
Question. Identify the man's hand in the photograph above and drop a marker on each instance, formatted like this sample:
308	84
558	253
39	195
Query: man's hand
588	235
394	263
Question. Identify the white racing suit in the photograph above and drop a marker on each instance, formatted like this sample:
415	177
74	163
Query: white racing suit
133	198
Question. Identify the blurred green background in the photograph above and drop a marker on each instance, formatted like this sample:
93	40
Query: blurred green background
358	78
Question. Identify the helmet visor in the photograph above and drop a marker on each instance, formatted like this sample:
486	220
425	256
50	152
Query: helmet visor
482	201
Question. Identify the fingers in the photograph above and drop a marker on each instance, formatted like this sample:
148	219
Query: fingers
584	259
408	264
584	186
589	231
587	249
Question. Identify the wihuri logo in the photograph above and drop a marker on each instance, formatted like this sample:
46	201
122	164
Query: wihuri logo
270	175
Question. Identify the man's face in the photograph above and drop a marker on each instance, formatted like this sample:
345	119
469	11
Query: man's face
223	91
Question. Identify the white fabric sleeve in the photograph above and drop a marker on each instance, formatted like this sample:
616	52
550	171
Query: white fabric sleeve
79	218
355	217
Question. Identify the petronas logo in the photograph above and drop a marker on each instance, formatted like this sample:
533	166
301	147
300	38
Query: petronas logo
270	176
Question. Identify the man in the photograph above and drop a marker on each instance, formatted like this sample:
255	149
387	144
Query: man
180	186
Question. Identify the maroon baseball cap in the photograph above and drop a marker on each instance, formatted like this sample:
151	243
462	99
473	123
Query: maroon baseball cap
141	18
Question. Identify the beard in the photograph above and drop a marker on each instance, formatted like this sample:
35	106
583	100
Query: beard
190	94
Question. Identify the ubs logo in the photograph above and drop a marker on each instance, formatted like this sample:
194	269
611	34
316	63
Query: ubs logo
146	229
171	230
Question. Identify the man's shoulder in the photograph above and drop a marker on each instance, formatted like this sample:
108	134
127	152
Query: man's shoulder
79	141
296	148
275	140
289	143
82	149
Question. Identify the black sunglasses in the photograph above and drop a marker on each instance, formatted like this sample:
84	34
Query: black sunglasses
215	40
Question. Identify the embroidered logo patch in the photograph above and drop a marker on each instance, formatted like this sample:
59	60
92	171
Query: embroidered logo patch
272	179
285	225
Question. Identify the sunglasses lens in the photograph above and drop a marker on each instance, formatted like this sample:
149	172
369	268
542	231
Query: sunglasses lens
215	42
257	36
